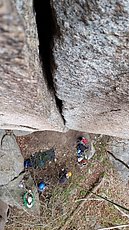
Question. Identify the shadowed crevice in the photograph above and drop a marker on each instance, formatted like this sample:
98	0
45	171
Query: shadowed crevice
48	30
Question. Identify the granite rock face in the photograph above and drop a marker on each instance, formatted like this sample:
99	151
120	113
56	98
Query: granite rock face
3	214
25	101
12	193
91	54
120	150
11	160
92	57
12	175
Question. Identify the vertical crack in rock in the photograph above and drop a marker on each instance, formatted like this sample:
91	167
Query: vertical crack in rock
117	159
47	30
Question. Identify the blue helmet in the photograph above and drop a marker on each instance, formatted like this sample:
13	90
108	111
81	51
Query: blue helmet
41	186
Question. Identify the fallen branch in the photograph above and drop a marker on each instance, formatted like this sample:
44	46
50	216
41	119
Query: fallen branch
88	199
97	185
118	226
110	201
123	213
102	199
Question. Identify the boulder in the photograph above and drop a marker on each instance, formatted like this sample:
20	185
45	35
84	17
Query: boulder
13	193
92	56
3	214
86	61
21	133
11	160
12	174
120	149
26	103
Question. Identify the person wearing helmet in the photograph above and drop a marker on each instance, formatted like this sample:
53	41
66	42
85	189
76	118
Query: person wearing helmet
64	175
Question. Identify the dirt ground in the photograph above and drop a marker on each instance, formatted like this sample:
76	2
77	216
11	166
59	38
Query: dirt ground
59	202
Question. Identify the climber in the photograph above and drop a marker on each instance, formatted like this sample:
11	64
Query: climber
64	175
82	148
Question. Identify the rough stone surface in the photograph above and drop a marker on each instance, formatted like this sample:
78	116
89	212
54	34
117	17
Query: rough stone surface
11	174
91	78
11	160
21	133
120	149
92	57
3	214
12	194
25	102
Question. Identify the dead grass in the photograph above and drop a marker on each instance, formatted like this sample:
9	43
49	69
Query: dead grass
59	201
